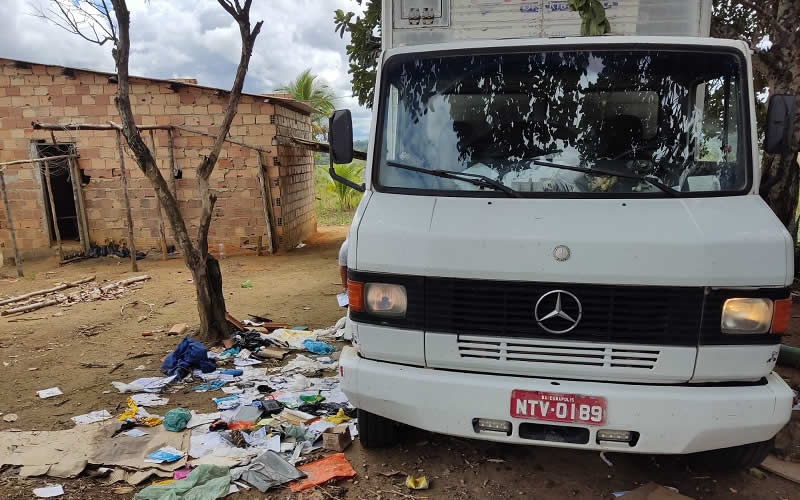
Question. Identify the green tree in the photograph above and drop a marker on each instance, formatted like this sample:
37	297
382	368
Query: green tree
770	27
364	47
307	87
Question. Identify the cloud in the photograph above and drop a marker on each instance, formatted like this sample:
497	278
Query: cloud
198	39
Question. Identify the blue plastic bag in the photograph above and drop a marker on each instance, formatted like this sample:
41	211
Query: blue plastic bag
189	354
318	347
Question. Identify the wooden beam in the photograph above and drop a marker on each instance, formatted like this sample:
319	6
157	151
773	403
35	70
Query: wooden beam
161	230
10	222
171	179
92	126
53	210
232	141
35	160
263	184
57	288
78	189
124	176
319	147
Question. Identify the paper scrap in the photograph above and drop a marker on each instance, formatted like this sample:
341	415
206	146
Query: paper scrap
342	299
165	454
227	402
92	417
149	399
51	490
49	393
199	419
134	433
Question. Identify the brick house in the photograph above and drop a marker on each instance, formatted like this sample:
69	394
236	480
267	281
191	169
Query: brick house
272	180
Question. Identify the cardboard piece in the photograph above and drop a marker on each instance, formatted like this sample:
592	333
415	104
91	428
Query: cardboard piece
337	438
66	453
653	491
178	329
786	470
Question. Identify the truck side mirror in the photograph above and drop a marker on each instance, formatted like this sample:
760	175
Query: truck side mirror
778	128
340	138
340	135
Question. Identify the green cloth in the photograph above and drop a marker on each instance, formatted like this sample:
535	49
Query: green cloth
206	482
176	419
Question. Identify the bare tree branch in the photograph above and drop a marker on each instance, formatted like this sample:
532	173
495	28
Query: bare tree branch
66	14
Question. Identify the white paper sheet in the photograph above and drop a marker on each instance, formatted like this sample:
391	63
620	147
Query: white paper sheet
92	417
49	393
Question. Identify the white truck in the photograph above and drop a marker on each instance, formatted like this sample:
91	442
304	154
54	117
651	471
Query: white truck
561	241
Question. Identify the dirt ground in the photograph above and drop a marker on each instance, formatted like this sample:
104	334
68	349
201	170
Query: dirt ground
298	288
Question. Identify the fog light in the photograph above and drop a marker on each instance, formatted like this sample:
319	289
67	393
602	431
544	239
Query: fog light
491	425
619	436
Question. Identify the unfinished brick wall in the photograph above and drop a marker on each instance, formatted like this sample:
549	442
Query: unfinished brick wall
32	92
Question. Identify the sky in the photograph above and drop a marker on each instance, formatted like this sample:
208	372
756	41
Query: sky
198	39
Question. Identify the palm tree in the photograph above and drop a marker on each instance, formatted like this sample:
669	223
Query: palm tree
306	87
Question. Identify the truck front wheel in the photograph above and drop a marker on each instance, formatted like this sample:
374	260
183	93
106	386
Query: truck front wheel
733	459
375	431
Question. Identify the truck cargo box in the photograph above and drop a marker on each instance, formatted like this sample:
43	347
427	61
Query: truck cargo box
413	22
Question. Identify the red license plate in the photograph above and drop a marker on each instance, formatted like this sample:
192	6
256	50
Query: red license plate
557	407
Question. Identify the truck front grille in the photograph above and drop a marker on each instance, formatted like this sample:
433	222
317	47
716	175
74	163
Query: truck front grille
611	313
542	351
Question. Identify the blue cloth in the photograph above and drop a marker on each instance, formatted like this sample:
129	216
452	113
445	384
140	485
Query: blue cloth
189	354
318	347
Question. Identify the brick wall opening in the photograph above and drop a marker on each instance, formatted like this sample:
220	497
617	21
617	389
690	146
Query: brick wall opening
61	182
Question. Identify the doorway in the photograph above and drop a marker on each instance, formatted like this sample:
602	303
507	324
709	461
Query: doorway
63	198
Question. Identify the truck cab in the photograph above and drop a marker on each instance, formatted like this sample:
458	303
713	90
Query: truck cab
561	241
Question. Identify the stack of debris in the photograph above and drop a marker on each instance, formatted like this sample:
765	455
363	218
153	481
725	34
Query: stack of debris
273	426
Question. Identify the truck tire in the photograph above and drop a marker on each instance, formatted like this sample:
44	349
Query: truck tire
733	459
375	431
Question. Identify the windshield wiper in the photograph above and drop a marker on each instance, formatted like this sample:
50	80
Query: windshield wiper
595	171
474	179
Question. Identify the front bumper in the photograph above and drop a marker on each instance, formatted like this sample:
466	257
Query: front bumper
669	419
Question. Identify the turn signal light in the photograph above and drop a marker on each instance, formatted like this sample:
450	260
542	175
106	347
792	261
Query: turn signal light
355	296
781	313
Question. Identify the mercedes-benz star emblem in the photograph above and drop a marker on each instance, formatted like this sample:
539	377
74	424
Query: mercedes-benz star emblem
561	253
558	311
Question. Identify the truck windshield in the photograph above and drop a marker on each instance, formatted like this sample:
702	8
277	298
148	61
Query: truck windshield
676	118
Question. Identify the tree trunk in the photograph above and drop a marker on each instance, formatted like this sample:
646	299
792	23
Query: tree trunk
779	185
210	300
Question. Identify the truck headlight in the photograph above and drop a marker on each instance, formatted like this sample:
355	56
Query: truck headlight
746	315
383	299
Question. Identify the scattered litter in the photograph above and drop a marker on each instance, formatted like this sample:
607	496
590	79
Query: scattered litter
146	384
11	417
391	473
204	482
214	385
91	417
342	299
179	329
305	365
757	473
176	419
786	470
321	471
417	483
337	419
606	460
337	438
139	415
122	490
226	403
49	393
652	491
134	433
496	460
149	399
165	454
199	419
189	354
318	347
33	368
140	367
51	490
247	284
267	471
94	364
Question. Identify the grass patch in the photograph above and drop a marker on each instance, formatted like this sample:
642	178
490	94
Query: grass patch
329	207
